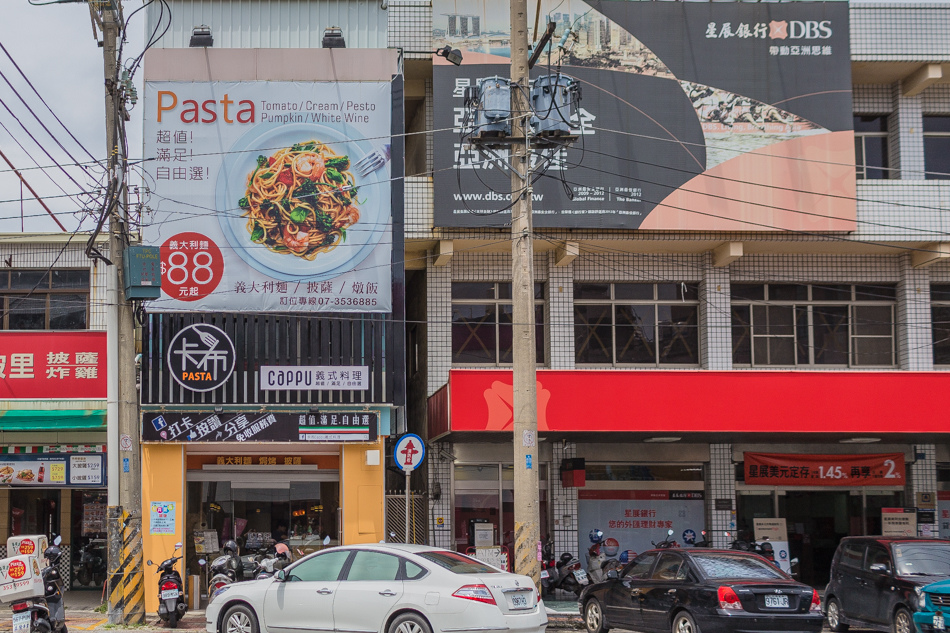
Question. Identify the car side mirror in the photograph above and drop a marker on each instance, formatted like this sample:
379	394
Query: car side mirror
612	574
880	568
280	576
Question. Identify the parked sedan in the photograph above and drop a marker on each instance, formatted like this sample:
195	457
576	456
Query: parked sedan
693	590
381	588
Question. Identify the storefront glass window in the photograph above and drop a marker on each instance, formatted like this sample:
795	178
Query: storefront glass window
88	542
34	511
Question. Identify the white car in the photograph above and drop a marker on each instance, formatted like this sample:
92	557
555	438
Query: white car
380	588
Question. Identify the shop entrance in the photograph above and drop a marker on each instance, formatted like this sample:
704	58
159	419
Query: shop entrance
816	520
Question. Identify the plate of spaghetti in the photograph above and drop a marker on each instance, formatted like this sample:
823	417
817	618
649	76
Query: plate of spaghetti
293	209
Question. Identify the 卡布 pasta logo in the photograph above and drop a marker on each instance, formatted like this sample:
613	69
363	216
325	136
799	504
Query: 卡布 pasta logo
301	200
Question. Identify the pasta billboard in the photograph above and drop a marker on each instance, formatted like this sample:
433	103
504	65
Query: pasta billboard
271	195
703	116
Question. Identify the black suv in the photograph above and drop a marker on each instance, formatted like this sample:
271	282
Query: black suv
876	581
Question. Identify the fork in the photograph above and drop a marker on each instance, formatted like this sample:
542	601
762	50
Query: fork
208	339
373	161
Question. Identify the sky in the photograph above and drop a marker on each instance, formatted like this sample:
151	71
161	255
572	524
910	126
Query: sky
56	50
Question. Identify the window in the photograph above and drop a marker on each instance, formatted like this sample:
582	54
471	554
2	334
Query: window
369	565
636	324
670	567
877	556
937	147
640	567
44	300
321	568
458	563
852	555
644	472
940	322
802	325
482	316
870	146
716	566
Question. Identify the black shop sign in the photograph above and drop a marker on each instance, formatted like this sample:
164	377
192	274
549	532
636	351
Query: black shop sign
276	426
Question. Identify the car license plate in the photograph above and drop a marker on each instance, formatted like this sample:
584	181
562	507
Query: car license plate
519	600
938	622
544	573
776	602
21	622
168	594
581	576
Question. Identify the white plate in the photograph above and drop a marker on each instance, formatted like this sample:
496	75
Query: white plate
361	238
938	622
776	602
544	573
520	600
168	594
21	622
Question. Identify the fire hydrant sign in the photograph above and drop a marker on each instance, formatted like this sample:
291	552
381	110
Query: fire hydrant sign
161	517
61	365
409	452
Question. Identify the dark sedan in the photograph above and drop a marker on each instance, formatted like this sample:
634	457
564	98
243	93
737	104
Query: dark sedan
693	590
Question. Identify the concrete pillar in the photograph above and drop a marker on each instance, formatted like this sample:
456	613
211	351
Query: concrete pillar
715	318
721	488
913	321
905	141
563	502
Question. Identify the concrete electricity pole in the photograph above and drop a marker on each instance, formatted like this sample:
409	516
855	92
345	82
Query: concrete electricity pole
126	582
525	397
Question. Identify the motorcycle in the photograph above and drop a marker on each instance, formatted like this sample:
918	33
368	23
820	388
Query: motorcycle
171	595
666	543
706	542
549	571
601	555
92	563
226	569
273	561
46	614
571	575
763	549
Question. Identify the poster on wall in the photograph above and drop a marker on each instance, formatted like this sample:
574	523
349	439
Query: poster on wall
55	469
787	469
637	518
775	531
161	517
899	521
691	116
270	195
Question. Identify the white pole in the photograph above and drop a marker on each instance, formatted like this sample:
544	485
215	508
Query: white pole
408	476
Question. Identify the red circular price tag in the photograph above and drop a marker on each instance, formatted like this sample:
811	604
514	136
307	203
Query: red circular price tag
17	569
192	266
27	546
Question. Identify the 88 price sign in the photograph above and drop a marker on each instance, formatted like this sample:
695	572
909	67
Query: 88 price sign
192	266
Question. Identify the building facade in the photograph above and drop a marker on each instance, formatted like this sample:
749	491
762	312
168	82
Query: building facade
671	363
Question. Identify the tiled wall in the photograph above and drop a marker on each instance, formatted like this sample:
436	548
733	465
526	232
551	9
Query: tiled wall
923	478
721	485
563	502
440	479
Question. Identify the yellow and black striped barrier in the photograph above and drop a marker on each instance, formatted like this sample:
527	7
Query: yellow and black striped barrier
126	583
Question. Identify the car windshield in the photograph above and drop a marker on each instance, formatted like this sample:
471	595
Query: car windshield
458	563
736	566
922	559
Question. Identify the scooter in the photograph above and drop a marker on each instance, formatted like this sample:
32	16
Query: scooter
706	542
571	575
92	563
46	614
171	595
666	543
226	569
763	549
549	571
602	556
275	560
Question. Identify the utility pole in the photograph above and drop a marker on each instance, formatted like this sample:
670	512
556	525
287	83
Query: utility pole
126	581
525	396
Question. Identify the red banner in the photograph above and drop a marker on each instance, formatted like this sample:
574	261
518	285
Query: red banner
771	469
53	365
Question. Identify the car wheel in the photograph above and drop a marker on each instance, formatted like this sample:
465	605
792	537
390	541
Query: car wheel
903	622
834	616
239	619
408	623
683	623
594	617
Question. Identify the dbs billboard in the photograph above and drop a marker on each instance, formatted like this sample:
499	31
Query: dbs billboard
724	116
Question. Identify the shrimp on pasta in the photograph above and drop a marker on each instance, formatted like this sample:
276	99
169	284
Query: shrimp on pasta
301	200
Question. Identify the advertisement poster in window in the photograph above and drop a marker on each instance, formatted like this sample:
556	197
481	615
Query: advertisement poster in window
271	195
161	517
690	116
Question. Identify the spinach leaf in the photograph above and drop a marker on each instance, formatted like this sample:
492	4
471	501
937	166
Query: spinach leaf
333	174
341	163
257	233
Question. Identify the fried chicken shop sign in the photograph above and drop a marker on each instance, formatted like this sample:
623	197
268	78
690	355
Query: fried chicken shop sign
201	357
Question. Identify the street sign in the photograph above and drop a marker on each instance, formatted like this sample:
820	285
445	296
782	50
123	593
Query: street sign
409	452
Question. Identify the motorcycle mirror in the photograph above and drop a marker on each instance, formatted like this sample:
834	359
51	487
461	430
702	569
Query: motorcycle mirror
202	562
149	562
58	540
612	574
794	561
326	541
670	532
177	545
727	534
